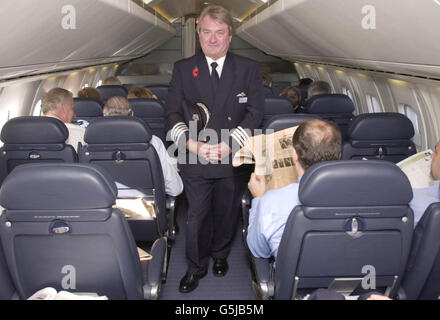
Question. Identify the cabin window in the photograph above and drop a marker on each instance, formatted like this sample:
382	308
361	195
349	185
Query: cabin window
373	104
37	109
408	111
347	92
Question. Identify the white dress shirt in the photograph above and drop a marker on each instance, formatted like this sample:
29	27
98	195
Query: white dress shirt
220	62
76	134
173	182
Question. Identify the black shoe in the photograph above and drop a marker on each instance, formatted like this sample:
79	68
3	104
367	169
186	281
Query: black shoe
190	281
220	267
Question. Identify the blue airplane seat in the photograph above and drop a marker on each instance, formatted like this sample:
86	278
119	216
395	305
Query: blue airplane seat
354	215
7	288
284	121
152	112
274	106
422	276
268	93
160	90
87	109
335	107
108	91
34	139
121	145
383	136
64	234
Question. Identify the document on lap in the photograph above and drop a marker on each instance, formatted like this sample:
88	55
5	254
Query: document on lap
134	203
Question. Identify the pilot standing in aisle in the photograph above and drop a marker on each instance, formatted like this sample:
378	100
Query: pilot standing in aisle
230	86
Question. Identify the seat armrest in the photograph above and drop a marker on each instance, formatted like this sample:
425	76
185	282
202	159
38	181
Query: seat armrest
401	294
155	269
264	276
171	209
245	206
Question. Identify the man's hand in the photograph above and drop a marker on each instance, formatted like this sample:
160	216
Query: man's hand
218	152
257	185
198	147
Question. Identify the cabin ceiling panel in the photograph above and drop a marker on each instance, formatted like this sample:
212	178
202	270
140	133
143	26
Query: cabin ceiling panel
174	9
38	34
404	40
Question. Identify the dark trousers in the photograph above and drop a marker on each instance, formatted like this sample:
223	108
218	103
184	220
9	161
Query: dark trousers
213	211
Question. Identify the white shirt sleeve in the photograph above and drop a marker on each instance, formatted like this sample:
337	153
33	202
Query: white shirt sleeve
173	182
76	134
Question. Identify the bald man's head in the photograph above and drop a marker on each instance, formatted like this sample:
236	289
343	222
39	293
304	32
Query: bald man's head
317	140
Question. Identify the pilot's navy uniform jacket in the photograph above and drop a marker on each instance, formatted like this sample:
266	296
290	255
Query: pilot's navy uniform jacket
237	107
213	190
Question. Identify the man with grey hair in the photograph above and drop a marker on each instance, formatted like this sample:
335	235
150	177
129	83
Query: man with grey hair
111	81
318	87
58	103
231	88
117	106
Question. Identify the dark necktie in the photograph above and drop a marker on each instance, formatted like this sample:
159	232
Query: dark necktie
215	79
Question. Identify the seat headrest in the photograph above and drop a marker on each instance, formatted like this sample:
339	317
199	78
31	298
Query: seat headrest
160	90
354	183
329	103
117	130
34	130
267	91
57	186
147	108
284	121
277	105
380	126
86	107
108	91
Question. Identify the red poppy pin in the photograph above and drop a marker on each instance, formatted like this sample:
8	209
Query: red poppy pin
195	72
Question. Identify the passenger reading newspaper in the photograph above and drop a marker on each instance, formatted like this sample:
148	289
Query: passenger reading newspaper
418	169
272	155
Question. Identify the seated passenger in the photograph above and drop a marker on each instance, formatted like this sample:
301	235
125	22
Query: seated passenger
267	79
304	82
294	95
58	103
141	93
119	106
318	87
423	197
89	92
314	141
111	81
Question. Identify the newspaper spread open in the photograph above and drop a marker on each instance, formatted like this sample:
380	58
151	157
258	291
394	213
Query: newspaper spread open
272	155
50	293
418	169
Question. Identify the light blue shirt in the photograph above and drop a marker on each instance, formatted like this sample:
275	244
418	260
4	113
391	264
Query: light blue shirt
267	219
422	198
